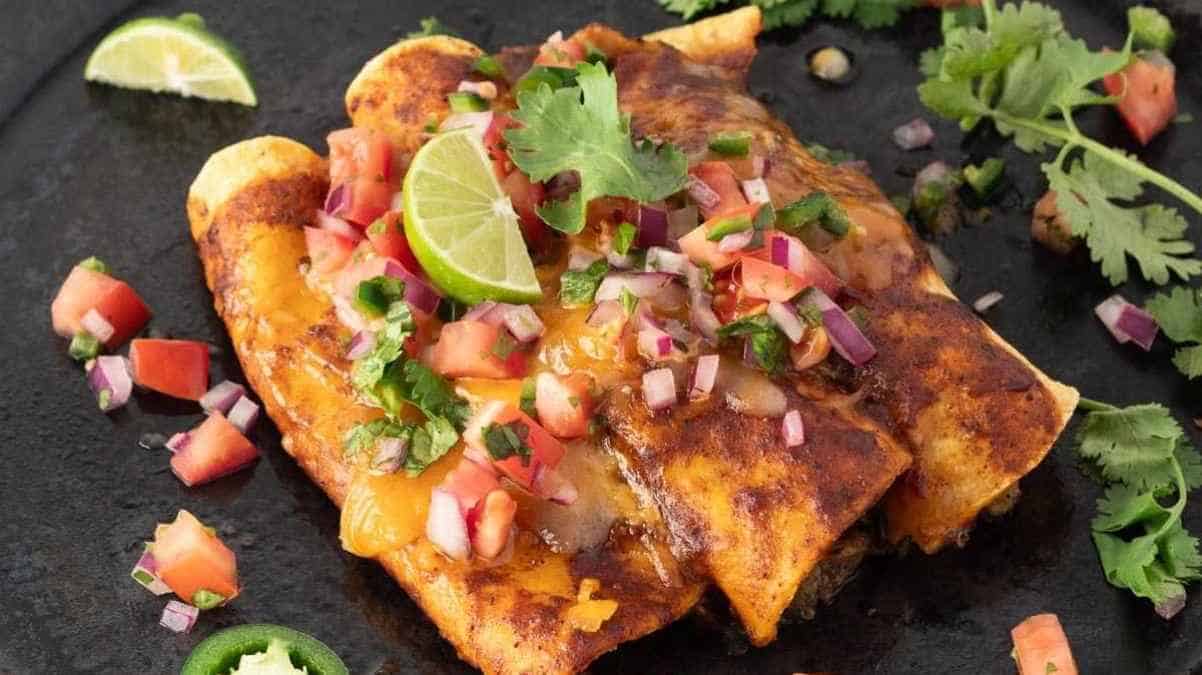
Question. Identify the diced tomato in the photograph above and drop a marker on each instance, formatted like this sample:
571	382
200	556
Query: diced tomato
389	241
559	53
1040	646
356	152
564	404
215	448
1149	96
808	266
370	199
114	300
491	522
178	368
190	558
761	279
470	482
546	451
701	250
327	251
526	196
465	349
721	179
731	303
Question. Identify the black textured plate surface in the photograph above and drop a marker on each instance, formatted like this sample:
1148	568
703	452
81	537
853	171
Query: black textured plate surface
89	170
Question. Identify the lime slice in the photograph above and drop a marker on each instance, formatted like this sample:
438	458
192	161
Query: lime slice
171	55
462	226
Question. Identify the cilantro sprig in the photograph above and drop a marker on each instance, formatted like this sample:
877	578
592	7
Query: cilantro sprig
1179	313
580	128
1023	71
1149	467
778	13
765	340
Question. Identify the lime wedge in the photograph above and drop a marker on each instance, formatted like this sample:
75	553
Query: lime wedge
171	55
462	226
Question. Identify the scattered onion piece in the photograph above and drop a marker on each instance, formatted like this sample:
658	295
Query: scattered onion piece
756	191
445	526
985	302
786	318
145	572
478	122
480	312
606	313
640	284
97	325
654	344
581	258
338	226
793	429
659	388
338	200
389	456
653	226
914	134
702	193
738	241
179	617
844	334
552	485
244	414
222	397
660	259
523	322
705	375
485	90
179	442
110	379
418	293
361	345
1126	322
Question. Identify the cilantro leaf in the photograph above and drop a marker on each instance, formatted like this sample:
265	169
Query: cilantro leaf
1142	545
508	440
766	341
430	26
577	287
1179	313
412	382
690	8
778	13
429	443
1024	72
390	342
880	13
581	129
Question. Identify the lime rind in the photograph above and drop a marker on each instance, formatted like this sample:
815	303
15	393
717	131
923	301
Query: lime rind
462	226
177	56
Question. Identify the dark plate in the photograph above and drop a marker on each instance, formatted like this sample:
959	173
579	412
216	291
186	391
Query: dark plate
91	170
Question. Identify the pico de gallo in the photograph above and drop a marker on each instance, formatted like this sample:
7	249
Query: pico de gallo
653	294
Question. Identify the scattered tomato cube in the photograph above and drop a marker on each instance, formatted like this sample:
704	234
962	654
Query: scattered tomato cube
190	558
477	349
1040	647
116	302
491	522
542	449
214	449
178	368
388	239
564	404
1148	95
328	251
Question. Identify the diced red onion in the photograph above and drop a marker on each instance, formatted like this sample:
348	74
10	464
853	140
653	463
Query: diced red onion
619	261
793	429
736	242
179	617
479	311
389	456
552	485
788	321
983	303
418	294
640	284
702	316
338	200
702	193
659	388
486	90
478	122
445	526
859	165
705	374
654	344
653	226
244	414
914	134
756	191
361	345
681	222
523	322
179	442
97	325
1127	323
605	313
111	374
222	397
935	172
581	258
338	226
146	574
660	259
844	334
347	314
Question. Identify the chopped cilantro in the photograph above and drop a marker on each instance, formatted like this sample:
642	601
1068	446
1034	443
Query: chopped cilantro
767	342
578	287
624	238
528	394
1179	313
595	55
84	346
581	129
94	264
507	440
552	76
203	598
793	13
431	26
1151	29
827	155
